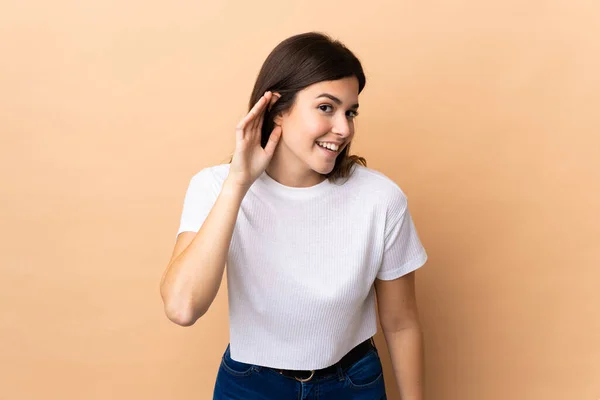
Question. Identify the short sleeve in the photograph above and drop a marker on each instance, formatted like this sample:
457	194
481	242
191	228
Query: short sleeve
403	251
201	195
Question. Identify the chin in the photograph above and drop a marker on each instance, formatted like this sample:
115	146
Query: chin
325	169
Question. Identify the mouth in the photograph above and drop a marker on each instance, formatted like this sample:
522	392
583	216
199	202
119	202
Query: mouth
329	148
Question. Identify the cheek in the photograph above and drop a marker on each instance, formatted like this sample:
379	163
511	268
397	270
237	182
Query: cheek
315	126
305	129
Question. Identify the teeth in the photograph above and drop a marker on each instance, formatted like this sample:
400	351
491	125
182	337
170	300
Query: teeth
330	146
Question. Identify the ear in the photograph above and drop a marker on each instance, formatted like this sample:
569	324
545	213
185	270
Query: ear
276	96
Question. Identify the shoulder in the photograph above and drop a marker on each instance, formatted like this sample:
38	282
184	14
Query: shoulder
378	187
215	172
210	177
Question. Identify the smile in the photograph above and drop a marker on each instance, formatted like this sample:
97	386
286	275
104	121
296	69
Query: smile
329	146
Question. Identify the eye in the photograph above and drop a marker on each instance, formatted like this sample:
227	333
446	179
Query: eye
352	114
328	108
323	107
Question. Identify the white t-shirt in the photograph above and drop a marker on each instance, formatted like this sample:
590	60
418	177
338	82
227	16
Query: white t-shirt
302	263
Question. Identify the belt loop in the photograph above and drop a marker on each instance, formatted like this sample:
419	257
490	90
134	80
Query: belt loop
340	372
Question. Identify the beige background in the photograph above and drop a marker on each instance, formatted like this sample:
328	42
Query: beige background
484	112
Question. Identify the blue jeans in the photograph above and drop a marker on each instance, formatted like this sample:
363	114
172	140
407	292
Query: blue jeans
363	380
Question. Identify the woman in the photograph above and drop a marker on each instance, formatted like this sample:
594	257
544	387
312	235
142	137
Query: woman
310	236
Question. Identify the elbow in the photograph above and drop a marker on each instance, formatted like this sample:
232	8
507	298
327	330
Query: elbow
180	312
180	316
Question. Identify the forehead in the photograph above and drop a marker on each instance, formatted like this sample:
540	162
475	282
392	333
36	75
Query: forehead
345	89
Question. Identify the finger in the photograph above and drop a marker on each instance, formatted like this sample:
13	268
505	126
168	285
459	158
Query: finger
274	98
261	120
247	123
253	130
244	122
241	127
271	100
259	104
239	133
260	124
273	141
260	111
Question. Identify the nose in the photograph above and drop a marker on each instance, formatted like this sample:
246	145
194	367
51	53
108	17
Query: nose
342	126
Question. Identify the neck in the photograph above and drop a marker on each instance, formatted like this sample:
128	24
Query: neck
294	174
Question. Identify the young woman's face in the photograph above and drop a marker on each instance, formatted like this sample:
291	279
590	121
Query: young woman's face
322	116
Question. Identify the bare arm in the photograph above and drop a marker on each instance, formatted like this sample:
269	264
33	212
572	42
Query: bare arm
191	280
400	323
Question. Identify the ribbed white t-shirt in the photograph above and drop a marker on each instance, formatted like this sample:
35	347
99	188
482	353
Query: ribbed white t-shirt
302	263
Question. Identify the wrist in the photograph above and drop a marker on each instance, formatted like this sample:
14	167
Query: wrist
234	188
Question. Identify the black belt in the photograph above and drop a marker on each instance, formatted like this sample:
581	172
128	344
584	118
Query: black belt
350	358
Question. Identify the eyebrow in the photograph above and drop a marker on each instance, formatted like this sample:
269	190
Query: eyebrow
335	99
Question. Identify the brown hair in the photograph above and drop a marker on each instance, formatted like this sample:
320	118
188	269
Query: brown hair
296	63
